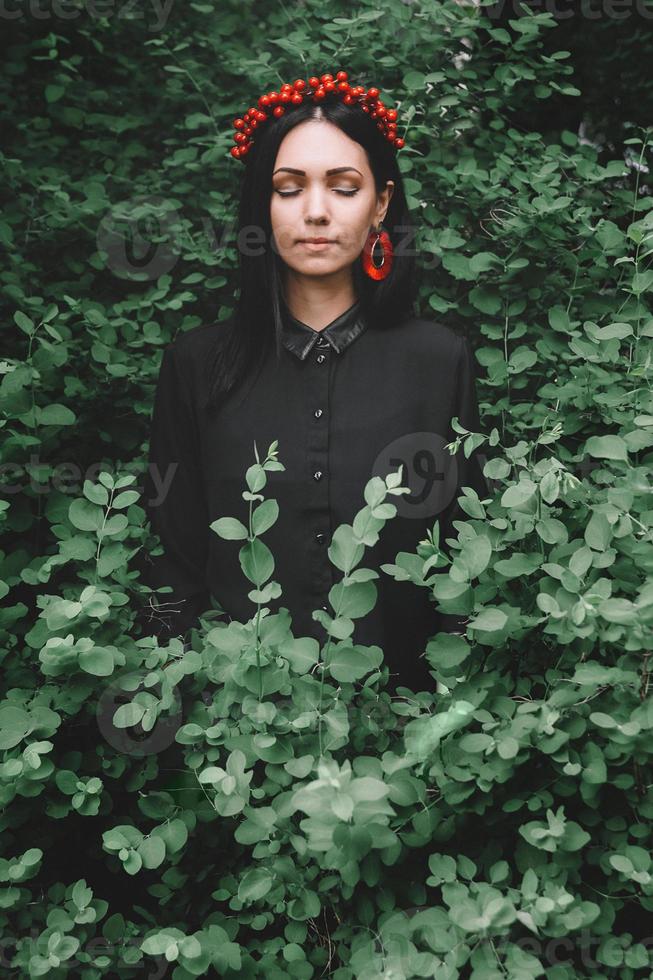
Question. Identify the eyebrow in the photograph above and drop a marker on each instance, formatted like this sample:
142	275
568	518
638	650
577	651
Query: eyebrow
328	173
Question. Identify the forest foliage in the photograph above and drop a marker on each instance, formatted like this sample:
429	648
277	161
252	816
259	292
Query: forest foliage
253	805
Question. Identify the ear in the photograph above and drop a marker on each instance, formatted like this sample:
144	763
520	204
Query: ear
384	201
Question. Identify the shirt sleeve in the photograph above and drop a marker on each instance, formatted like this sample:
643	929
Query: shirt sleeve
469	471
175	504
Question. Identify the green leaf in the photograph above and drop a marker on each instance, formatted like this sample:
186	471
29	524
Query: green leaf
85	516
521	496
152	851
353	599
24	322
125	499
423	735
517	566
488	621
15	724
601	720
128	715
212	774
485	299
302	653
229	528
56	415
159	944
174	834
96	493
256	561
255	885
53	93
475	555
598	533
265	516
256	478
350	663
344	551
97	661
621	863
607	447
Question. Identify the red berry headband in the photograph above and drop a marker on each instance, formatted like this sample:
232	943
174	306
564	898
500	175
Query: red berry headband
318	89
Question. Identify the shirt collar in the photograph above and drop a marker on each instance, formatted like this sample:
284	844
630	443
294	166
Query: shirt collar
300	338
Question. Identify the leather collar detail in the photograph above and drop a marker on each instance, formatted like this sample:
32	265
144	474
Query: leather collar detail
299	338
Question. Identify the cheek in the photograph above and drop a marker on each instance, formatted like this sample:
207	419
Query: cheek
356	221
283	219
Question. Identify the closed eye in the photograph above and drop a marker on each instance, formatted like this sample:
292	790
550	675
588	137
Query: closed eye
336	189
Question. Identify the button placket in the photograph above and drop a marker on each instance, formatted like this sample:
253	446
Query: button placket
317	392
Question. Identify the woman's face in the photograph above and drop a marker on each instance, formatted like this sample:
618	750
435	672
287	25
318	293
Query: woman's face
309	202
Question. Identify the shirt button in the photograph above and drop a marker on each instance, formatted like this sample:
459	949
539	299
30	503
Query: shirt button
317	475
320	358
320	536
317	413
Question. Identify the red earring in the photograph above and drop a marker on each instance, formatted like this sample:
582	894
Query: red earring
380	239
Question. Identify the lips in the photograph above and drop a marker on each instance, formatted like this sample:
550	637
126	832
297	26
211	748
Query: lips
317	241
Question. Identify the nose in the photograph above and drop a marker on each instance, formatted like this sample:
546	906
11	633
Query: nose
316	210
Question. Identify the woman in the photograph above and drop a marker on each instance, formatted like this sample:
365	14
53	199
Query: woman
324	355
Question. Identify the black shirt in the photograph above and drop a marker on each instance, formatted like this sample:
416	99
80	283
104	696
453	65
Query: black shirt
344	403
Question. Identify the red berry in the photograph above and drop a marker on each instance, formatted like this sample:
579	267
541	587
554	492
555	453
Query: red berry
399	143
239	123
373	93
342	76
278	111
313	81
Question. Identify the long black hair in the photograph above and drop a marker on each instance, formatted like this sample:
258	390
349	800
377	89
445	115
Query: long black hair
248	336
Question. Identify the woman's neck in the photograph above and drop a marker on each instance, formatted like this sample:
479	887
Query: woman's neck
318	308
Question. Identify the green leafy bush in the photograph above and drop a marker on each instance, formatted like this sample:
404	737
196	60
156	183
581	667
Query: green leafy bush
252	804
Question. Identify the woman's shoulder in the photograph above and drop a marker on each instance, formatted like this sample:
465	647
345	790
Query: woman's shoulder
193	349
200	340
430	336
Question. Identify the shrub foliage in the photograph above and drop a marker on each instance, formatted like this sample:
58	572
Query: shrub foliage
250	803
